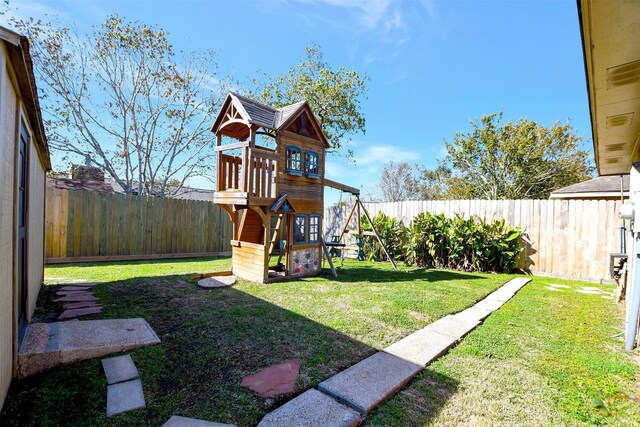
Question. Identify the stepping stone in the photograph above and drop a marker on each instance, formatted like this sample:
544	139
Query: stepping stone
274	380
78	285
77	312
76	298
312	409
217	282
124	397
75	340
75	288
87	304
119	369
421	347
63	293
176	421
455	326
367	384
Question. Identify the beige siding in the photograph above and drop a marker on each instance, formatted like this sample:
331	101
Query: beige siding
9	101
7	161
35	236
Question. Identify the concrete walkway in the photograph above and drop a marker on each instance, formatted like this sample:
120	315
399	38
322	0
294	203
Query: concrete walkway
348	397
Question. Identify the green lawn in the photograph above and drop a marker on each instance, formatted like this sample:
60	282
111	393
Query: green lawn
542	358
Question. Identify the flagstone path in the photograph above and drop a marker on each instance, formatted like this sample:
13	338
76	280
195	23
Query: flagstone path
79	300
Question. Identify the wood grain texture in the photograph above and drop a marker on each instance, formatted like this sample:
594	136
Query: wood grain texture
83	225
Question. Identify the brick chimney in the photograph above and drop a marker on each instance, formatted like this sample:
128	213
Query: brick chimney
87	173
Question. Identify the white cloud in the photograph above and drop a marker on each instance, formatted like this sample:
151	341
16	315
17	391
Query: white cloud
383	154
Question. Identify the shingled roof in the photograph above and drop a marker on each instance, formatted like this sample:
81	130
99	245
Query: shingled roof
256	113
603	187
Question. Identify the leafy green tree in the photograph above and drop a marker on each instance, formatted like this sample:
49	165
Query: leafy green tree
516	160
121	99
335	96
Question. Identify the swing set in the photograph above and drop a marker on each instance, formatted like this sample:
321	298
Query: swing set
336	241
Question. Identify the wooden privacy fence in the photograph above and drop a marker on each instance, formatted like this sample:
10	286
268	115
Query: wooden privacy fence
567	238
83	226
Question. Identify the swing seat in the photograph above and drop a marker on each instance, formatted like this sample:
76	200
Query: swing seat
360	244
334	251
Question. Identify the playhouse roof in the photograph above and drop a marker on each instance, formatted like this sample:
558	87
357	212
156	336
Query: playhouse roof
252	112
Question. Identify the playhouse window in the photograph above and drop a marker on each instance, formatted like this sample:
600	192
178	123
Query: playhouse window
311	164
314	228
299	229
294	160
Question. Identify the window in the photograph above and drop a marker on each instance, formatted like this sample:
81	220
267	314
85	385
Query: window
311	164
299	229
294	160
314	228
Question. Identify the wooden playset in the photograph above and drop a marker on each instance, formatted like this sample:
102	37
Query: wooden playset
273	196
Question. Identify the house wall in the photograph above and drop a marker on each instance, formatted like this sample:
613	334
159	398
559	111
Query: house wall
35	228
11	112
8	110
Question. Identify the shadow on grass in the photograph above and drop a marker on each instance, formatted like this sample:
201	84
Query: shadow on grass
210	340
353	272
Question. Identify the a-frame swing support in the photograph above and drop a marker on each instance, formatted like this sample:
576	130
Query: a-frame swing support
359	205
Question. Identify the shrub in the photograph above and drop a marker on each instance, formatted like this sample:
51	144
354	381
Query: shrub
392	234
468	244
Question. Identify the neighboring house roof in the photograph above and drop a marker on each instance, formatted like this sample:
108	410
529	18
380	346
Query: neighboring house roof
186	193
255	113
601	187
74	184
18	52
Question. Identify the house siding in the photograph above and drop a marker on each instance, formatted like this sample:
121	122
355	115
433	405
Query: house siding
8	101
35	244
12	112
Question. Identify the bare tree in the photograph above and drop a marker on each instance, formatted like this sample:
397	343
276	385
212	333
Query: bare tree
121	100
398	182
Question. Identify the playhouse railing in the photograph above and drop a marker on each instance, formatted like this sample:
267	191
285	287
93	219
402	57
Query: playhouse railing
229	173
253	172
262	170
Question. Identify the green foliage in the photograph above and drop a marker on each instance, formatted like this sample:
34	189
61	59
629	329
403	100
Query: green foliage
392	234
334	95
521	160
467	244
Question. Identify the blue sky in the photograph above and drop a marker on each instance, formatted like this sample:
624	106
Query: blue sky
434	65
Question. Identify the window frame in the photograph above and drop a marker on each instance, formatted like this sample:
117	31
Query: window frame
310	224
295	229
289	160
307	163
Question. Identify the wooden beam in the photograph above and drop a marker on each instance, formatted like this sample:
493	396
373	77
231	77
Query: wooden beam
366	214
341	187
214	274
346	224
258	210
233	146
326	254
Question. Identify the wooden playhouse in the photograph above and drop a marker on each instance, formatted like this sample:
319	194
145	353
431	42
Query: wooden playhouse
274	196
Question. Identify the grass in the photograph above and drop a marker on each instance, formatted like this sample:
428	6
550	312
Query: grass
541	359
